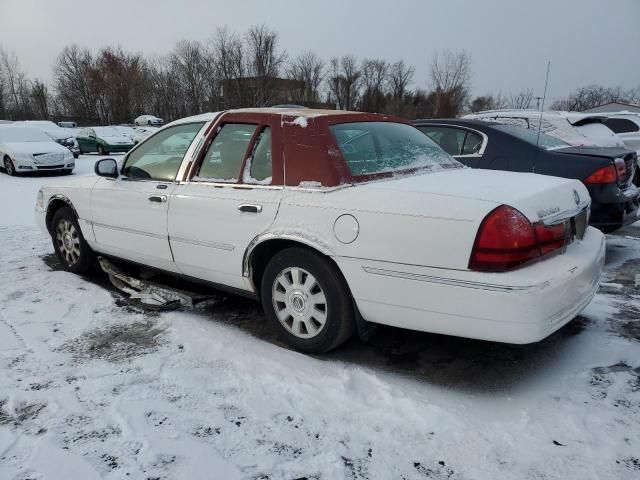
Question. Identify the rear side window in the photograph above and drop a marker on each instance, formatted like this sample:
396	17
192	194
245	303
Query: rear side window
472	144
387	147
224	158
449	139
621	125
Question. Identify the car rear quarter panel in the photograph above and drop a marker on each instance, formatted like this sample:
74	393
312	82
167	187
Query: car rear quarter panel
412	228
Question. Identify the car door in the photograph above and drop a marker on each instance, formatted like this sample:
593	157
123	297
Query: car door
129	213
232	198
463	144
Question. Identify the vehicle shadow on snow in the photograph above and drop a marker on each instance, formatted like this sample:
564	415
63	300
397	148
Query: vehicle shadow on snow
447	361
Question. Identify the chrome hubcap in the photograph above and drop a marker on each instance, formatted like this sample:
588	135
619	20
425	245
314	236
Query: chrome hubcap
299	302
8	166
68	241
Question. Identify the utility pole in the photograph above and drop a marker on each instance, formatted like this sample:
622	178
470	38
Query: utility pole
538	104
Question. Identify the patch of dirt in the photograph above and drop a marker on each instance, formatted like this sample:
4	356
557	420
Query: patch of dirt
22	413
117	343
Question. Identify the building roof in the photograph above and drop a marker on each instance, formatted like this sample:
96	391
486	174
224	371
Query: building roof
612	107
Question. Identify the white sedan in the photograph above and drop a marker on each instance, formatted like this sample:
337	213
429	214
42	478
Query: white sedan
334	219
26	149
148	120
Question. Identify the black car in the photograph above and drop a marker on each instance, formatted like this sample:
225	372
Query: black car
607	172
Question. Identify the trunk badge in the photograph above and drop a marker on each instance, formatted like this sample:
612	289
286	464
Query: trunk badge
576	197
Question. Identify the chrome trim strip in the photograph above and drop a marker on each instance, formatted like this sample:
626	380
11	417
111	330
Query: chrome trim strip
239	186
130	230
200	243
455	282
566	214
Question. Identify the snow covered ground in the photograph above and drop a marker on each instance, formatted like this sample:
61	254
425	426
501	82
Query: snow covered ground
92	387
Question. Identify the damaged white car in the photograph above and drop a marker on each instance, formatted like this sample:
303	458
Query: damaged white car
335	218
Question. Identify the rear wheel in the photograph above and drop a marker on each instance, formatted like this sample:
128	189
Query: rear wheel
70	246
307	301
9	167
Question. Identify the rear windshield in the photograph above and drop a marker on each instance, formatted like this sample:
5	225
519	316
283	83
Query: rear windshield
386	147
16	134
531	136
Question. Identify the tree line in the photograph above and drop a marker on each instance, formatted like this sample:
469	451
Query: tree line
250	69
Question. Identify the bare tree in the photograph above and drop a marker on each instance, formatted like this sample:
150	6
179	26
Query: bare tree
521	100
306	67
375	74
344	82
229	54
264	62
488	102
450	76
400	76
16	87
193	67
40	99
589	97
71	81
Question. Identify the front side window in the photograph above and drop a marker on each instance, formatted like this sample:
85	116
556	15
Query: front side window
224	158
160	157
386	147
258	168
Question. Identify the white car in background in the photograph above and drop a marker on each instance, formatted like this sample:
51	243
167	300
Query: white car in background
25	150
555	124
140	133
63	136
148	120
330	217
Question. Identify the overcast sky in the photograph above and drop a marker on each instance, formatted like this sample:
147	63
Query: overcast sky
587	41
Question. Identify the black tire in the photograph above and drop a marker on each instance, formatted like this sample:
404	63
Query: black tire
67	171
86	258
338	312
9	167
101	150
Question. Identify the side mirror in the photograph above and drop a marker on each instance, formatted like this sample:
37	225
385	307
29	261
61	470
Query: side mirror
107	167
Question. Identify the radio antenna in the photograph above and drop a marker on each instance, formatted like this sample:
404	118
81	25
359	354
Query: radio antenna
544	96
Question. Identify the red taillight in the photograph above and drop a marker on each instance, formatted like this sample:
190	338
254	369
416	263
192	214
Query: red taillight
607	174
506	239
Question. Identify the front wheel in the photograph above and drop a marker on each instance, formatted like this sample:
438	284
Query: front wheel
9	167
70	246
307	300
101	150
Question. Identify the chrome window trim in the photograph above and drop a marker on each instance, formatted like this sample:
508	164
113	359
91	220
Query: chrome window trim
485	138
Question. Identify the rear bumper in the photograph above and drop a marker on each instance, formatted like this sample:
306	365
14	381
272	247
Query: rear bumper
613	207
522	306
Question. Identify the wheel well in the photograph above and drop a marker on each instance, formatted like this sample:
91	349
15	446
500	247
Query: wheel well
54	206
265	251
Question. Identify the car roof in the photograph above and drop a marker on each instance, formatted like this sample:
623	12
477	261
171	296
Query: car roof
456	121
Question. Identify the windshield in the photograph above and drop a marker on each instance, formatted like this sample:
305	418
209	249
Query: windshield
107	132
385	147
17	134
531	136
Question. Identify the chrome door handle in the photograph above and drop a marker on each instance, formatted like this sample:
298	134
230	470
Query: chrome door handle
250	208
158	198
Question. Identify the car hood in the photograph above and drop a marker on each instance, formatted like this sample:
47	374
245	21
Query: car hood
29	148
536	196
605	152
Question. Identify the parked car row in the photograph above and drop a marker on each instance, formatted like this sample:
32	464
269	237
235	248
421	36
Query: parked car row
607	172
334	219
